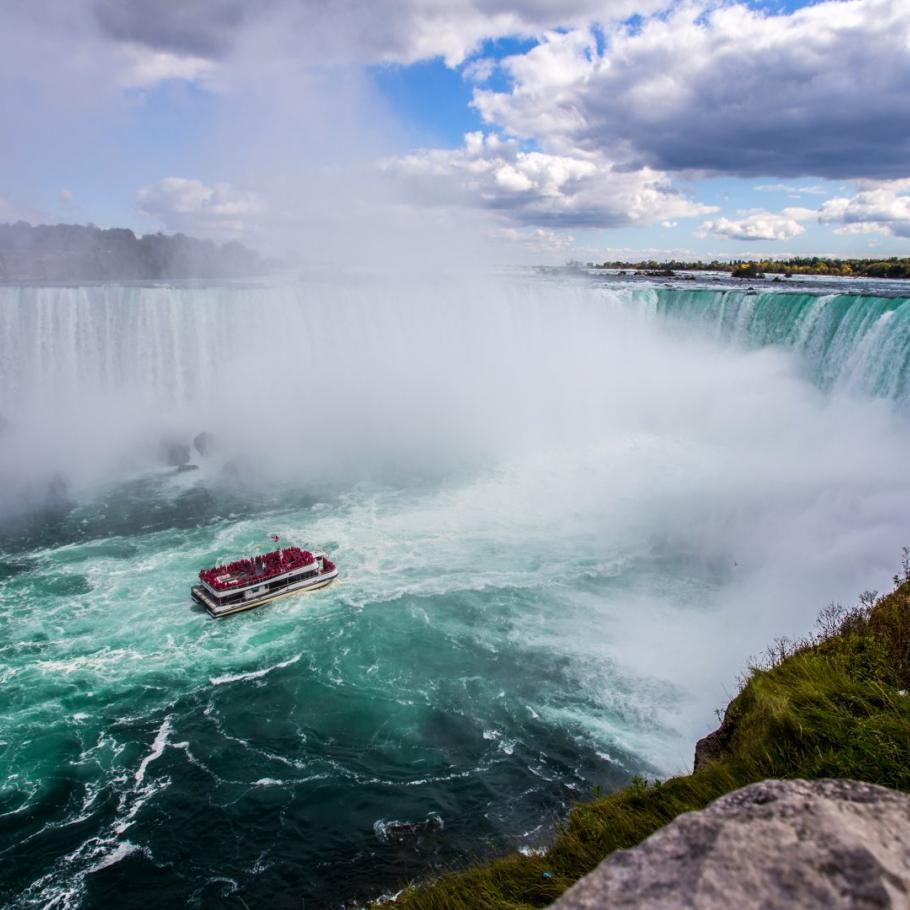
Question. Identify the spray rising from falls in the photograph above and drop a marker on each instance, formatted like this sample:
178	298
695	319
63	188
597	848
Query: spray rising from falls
367	363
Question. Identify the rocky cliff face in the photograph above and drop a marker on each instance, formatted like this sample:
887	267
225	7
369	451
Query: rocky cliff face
777	844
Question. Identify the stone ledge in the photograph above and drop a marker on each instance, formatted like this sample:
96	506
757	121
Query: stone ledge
775	845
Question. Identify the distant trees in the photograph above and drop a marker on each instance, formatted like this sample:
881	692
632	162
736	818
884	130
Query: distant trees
747	270
72	252
809	265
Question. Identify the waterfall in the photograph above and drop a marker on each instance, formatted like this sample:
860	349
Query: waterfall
846	342
176	344
365	371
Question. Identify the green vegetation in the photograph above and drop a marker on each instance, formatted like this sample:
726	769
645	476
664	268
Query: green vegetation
807	265
747	270
833	705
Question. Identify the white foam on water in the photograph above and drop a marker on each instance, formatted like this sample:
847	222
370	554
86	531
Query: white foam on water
157	750
121	851
253	674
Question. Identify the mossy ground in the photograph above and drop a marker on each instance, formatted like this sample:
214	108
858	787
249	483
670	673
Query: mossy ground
835	705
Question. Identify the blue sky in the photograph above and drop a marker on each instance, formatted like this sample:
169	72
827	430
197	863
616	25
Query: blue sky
600	130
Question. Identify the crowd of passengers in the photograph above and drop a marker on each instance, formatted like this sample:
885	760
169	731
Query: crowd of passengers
259	568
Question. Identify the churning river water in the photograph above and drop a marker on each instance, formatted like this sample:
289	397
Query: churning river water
565	512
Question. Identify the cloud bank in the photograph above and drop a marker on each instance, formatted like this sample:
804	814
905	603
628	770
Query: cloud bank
724	90
536	188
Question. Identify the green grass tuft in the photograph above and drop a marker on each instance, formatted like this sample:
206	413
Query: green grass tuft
835	705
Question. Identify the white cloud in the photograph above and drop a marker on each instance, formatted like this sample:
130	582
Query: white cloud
881	210
791	189
724	89
535	188
182	204
761	225
480	70
141	67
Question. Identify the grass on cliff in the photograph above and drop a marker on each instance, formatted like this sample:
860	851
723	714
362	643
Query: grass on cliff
834	705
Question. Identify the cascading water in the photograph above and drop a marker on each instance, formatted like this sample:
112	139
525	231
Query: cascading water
563	522
846	342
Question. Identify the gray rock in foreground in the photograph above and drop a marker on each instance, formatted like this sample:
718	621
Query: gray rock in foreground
778	844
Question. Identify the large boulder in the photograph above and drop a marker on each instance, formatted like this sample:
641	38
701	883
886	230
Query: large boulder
176	454
709	749
204	442
777	845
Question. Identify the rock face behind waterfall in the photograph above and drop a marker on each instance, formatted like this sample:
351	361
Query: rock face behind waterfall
176	454
204	442
777	844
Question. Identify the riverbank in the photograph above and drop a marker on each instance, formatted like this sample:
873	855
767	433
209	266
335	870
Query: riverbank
834	705
892	267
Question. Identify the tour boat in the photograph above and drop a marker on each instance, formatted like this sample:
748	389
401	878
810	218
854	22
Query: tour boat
247	583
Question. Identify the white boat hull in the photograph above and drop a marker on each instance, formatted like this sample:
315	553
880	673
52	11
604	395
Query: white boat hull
202	596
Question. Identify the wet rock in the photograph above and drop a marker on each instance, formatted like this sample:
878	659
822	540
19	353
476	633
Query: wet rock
237	468
776	845
176	454
58	488
711	748
716	745
204	443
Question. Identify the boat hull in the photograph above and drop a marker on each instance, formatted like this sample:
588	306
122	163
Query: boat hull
202	597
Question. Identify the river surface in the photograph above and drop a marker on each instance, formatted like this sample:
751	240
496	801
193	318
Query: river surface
565	511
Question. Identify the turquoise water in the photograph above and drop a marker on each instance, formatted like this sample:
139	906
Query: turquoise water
562	527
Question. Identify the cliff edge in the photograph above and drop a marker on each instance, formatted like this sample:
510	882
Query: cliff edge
826	844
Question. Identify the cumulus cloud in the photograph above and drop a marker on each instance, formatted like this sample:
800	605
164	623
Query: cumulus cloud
536	188
881	210
784	225
724	89
191	206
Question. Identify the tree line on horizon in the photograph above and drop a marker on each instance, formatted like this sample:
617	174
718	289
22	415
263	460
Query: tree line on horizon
73	252
893	267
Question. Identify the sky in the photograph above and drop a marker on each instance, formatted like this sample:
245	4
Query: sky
518	131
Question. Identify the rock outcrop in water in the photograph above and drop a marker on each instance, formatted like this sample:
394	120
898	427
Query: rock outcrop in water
176	454
777	844
204	443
